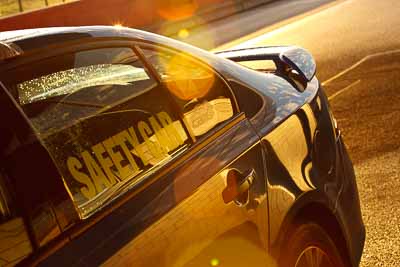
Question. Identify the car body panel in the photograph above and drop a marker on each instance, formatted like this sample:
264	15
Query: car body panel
180	206
348	208
284	134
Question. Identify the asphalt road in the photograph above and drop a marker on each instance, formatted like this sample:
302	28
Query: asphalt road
356	44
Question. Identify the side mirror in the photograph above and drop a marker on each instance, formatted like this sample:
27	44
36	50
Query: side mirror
284	57
300	60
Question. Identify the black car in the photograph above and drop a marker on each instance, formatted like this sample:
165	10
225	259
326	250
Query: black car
124	148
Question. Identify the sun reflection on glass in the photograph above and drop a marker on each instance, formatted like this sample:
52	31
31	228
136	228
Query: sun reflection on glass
185	79
214	262
183	34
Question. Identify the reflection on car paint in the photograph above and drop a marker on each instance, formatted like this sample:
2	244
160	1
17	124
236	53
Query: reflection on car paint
14	242
302	60
202	228
290	176
184	232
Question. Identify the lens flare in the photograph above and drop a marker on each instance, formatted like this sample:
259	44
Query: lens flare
194	31
176	9
118	26
186	79
183	34
214	262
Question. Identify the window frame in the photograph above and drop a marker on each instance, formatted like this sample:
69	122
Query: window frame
157	47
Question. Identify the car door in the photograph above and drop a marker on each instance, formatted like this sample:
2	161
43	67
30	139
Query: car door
214	209
160	166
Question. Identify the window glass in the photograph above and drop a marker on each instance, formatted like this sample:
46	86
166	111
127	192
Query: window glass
203	98
68	82
73	86
104	119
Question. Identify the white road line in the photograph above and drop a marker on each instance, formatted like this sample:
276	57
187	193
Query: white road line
330	98
343	72
264	36
358	63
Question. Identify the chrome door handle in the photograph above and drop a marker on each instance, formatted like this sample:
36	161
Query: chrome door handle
247	181
238	186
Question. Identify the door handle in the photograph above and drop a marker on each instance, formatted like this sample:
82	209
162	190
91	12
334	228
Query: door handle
247	181
238	186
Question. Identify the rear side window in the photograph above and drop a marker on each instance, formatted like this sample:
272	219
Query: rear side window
203	98
103	118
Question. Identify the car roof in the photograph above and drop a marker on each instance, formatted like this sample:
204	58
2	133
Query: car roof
92	31
31	39
28	40
14	43
10	36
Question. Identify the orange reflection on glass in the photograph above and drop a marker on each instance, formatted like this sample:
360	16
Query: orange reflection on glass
176	9
186	80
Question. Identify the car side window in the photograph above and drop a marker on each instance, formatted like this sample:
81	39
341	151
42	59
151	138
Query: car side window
104	119
203	98
76	85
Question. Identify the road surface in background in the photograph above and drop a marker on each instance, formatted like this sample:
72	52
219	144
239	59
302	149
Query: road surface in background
356	44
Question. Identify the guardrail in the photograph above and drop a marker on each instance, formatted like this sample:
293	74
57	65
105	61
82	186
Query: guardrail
133	13
13	7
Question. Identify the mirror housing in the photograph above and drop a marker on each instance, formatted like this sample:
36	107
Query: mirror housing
300	60
285	58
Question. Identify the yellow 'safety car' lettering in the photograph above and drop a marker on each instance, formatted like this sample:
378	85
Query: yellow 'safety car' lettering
74	165
105	161
111	160
146	133
95	172
175	137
